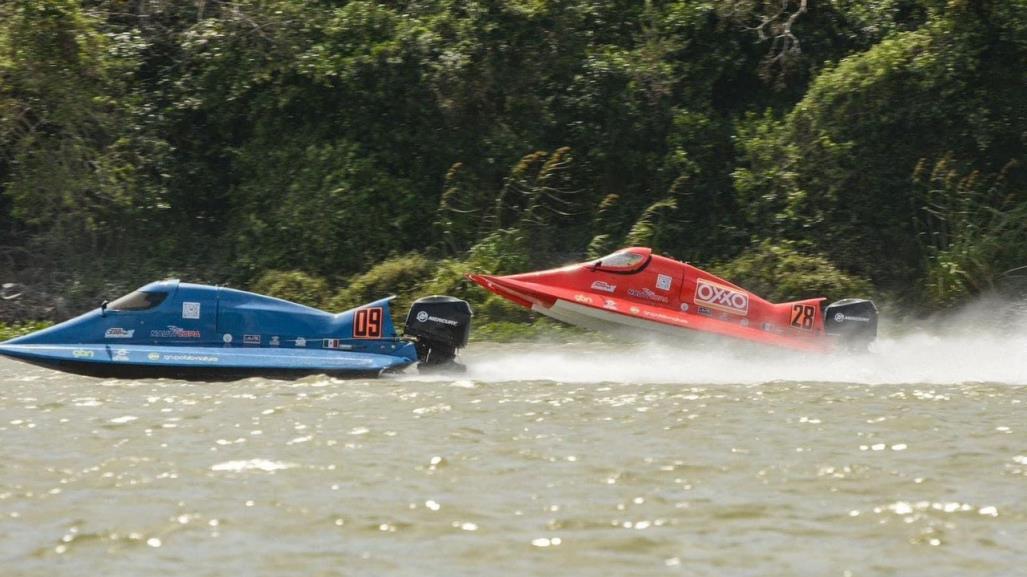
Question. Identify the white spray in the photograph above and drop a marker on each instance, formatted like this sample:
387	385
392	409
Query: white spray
986	342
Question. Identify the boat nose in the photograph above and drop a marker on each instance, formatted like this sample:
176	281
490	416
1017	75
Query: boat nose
502	286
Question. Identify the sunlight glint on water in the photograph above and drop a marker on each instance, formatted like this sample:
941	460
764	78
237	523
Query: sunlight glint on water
646	459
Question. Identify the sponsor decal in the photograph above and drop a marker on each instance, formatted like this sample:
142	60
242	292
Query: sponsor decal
120	355
744	322
803	316
82	354
842	317
684	307
767	327
274	342
839	317
635	310
424	317
174	332
190	310
664	317
153	356
227	338
603	286
705	311
610	304
663	282
722	316
118	333
721	297
188	357
583	299
251	339
648	294
335	344
301	342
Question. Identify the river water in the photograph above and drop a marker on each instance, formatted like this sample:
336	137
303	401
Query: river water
575	459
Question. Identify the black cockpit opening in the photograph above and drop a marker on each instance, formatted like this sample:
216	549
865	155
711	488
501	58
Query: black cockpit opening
138	301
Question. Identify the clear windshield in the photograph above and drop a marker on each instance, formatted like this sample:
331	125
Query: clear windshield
624	260
137	301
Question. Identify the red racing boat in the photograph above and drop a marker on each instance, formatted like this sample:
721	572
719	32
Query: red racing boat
637	289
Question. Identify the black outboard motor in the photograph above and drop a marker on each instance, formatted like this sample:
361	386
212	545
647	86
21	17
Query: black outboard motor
853	321
440	325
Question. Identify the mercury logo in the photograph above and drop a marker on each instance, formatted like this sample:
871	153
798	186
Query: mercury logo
721	297
422	317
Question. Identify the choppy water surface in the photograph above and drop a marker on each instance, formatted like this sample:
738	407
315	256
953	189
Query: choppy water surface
574	460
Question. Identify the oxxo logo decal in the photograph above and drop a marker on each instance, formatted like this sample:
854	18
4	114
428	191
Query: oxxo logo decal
721	297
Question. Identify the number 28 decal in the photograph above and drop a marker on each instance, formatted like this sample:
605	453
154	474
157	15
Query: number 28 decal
367	323
803	316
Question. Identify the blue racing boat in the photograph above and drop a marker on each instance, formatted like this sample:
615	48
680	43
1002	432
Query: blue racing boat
182	330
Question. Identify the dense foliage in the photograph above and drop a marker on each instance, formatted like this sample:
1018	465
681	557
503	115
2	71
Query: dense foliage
295	145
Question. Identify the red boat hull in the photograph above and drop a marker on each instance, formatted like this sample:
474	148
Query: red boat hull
636	288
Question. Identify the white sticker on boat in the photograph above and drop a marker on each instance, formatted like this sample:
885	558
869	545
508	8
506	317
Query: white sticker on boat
301	342
118	333
227	338
274	342
190	310
604	286
120	355
663	282
721	297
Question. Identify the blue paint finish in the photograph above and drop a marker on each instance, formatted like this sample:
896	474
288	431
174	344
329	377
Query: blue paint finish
219	328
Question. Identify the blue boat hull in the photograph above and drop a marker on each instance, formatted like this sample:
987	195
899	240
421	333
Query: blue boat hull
207	363
182	330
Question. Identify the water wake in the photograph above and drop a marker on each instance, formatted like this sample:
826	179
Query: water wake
983	343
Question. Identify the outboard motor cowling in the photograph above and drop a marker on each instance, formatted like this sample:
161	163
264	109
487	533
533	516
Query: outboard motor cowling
853	321
440	325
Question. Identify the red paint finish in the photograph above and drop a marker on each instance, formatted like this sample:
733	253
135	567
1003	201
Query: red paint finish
635	283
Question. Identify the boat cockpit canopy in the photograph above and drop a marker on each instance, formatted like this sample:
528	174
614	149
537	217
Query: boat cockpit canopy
138	301
628	260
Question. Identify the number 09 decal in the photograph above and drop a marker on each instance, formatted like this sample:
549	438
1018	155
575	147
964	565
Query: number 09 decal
367	323
803	316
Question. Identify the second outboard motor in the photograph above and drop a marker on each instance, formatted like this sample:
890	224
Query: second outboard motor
440	325
854	321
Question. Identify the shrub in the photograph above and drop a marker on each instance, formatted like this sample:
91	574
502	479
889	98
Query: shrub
781	272
292	285
400	276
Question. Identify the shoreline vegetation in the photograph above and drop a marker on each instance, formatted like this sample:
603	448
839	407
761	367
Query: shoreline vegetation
334	153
